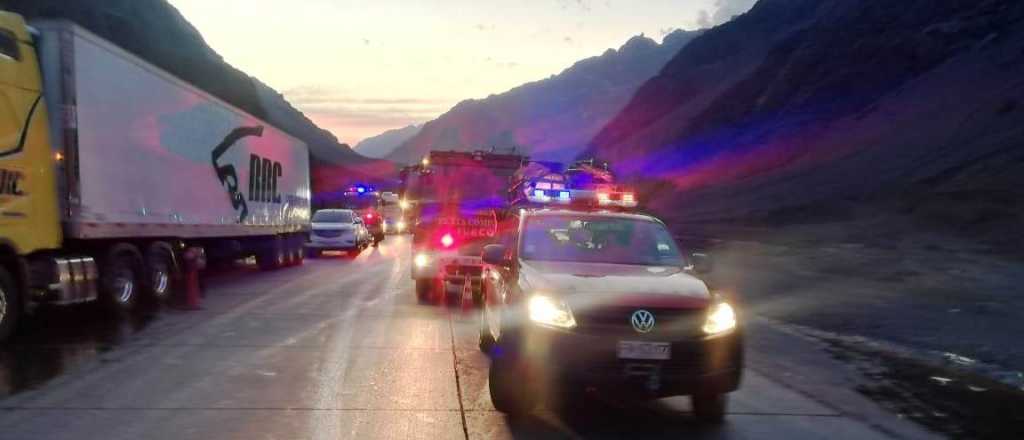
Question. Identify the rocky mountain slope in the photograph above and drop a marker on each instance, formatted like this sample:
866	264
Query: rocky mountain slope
155	31
808	111
551	118
383	144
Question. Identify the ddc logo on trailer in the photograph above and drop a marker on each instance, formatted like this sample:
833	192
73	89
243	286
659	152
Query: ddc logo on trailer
263	174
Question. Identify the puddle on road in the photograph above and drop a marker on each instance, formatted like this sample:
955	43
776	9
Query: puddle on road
953	403
56	340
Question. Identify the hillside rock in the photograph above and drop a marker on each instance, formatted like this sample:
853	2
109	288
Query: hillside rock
385	143
552	118
853	108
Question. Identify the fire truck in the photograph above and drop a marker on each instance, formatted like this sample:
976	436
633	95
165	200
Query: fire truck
454	203
367	202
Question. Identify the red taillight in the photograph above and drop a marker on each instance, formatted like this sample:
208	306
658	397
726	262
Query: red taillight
447	240
369	216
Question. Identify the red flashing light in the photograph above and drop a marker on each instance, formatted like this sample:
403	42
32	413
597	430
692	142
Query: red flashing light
447	240
369	215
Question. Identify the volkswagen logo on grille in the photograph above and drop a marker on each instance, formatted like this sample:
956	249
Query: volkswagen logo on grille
643	321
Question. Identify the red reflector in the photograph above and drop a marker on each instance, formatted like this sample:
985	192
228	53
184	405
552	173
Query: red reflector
447	240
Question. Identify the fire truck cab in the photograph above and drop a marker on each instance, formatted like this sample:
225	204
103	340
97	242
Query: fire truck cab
454	203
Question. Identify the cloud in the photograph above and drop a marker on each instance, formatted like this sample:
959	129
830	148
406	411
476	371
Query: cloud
355	118
724	11
727	9
582	5
703	19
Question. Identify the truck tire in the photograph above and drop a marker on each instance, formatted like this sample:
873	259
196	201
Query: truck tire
272	254
120	277
709	409
297	250
10	304
312	253
162	274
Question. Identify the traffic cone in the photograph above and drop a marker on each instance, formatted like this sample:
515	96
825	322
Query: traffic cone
192	289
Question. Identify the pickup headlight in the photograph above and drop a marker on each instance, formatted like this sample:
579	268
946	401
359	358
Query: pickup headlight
721	318
549	311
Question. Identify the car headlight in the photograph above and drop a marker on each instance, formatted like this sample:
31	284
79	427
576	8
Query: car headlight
549	311
721	319
400	226
421	260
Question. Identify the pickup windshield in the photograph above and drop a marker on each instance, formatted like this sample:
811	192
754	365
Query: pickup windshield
599	239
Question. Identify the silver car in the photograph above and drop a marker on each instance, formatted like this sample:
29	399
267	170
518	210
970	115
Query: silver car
337	230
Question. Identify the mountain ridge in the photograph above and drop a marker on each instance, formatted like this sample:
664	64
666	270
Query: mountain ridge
551	118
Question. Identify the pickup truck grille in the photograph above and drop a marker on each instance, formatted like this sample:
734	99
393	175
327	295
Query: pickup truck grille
678	322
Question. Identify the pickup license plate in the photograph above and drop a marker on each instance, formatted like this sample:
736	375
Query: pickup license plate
645	350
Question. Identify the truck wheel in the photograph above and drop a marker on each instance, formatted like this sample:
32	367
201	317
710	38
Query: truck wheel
119	278
508	391
272	255
709	408
10	305
289	253
161	273
297	248
424	290
312	253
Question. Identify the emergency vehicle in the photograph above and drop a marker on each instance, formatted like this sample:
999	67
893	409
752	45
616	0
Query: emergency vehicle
366	201
454	202
585	295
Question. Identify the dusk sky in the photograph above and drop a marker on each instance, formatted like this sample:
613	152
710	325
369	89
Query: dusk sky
358	68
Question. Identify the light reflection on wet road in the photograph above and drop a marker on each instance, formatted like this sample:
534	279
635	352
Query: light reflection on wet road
334	349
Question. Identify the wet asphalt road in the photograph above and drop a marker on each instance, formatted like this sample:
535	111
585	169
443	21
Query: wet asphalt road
339	348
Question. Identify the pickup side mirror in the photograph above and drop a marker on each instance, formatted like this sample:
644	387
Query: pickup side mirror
701	262
495	254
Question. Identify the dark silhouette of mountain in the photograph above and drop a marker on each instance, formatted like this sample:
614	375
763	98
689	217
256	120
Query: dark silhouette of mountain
551	118
383	144
802	110
155	31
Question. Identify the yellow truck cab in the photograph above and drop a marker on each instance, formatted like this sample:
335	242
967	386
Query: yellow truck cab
29	219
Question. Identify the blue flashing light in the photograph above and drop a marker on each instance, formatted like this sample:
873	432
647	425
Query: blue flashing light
360	189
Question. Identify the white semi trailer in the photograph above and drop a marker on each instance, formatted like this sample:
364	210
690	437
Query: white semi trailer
112	167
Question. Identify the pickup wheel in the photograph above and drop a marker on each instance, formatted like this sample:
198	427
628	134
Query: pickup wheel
709	408
487	340
10	305
119	278
510	393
